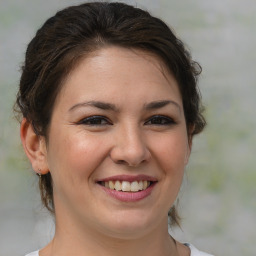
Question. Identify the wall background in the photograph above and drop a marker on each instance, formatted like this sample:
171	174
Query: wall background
217	200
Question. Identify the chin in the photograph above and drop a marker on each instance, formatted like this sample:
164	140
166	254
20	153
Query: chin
132	224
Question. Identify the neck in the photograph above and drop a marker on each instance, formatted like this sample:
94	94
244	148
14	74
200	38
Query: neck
70	240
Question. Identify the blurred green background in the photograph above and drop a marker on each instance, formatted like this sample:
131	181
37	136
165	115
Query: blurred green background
217	198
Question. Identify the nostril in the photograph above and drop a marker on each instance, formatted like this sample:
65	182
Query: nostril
121	162
129	154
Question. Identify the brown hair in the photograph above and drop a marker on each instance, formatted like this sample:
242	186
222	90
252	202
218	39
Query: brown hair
76	31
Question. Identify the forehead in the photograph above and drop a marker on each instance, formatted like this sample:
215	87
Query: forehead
123	55
116	70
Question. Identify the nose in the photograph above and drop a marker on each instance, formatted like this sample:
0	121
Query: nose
130	147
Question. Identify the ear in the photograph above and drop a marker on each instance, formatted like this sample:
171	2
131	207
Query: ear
34	147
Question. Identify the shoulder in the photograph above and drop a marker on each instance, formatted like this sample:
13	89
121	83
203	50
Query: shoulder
33	254
196	252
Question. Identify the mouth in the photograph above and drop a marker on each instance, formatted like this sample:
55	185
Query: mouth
126	186
128	183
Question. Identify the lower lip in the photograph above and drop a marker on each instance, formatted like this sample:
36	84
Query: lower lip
129	196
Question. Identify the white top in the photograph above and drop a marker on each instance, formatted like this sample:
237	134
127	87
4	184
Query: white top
194	252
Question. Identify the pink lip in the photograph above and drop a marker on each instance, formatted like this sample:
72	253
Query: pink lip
129	178
129	196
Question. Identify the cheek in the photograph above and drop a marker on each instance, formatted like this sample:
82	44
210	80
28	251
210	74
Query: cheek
172	152
75	157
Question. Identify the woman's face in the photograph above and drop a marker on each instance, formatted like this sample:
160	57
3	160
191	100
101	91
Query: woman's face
117	144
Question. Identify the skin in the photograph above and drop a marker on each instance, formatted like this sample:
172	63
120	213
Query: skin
128	139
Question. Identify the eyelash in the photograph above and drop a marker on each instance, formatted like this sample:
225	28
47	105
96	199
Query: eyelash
93	121
155	120
161	120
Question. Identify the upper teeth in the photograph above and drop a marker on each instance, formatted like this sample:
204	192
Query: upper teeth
127	186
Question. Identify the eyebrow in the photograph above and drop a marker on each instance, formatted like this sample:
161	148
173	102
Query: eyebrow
108	106
96	104
160	104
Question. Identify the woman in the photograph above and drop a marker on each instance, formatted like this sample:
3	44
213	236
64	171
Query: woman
110	105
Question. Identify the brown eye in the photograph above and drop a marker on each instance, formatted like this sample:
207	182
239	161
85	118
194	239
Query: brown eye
160	120
95	120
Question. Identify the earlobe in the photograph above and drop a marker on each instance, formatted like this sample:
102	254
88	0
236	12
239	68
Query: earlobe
34	147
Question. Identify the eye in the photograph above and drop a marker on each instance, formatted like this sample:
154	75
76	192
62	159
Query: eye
95	120
160	120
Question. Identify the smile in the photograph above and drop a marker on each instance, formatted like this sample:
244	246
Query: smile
126	186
